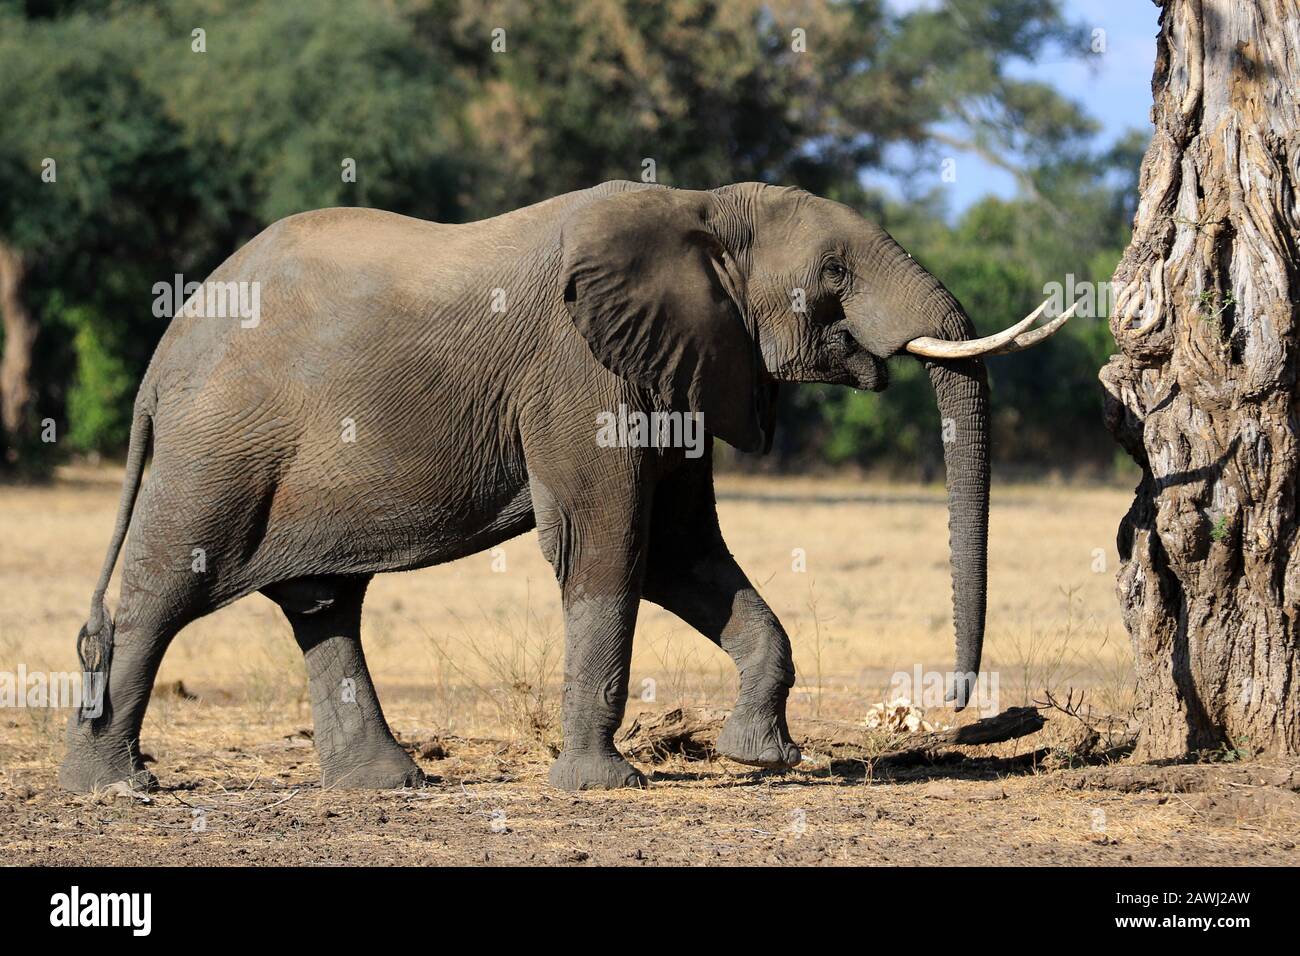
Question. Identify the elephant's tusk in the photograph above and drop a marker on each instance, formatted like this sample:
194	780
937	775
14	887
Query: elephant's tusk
1027	339
1012	339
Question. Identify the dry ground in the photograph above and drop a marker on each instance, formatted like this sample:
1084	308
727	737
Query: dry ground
466	659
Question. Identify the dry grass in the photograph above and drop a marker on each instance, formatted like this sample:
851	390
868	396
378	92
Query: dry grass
471	654
874	600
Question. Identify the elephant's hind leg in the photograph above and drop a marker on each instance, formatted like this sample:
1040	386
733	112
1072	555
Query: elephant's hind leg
106	749
178	565
692	574
356	749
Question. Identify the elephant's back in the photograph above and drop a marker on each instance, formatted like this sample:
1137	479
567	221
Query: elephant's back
329	294
361	399
349	289
364	312
375	339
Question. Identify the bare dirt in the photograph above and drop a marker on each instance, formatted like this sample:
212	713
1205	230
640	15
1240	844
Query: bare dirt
262	804
465	658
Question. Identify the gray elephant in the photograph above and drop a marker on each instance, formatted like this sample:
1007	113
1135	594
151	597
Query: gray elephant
413	392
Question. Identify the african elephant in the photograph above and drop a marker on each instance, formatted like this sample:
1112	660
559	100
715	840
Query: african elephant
471	363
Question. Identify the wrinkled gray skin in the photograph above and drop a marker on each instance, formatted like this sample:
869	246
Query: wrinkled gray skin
473	426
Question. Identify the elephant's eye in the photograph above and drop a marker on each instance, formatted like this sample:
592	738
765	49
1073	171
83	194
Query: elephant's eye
835	270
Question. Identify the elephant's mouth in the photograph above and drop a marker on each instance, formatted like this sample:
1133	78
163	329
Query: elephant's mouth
867	371
851	364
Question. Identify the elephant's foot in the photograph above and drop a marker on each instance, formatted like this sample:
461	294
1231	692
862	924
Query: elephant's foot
95	761
380	767
758	740
594	770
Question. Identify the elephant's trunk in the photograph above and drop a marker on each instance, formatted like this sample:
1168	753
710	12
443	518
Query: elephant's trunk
915	314
961	388
952	356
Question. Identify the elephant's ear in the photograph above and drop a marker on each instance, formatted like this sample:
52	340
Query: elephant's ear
661	303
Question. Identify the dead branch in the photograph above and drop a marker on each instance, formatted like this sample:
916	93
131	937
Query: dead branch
692	734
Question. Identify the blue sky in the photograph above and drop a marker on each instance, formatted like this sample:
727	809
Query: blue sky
1114	87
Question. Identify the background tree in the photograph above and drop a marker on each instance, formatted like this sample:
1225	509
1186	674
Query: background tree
170	158
1203	392
94	193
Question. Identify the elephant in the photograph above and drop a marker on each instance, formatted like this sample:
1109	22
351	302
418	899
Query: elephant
415	392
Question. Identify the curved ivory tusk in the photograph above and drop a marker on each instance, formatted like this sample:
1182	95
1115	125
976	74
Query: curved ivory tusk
1012	339
1028	339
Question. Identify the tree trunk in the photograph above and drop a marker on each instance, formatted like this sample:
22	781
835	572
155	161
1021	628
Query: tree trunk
20	327
1203	391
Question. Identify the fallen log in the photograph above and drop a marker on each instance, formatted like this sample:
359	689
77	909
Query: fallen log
692	734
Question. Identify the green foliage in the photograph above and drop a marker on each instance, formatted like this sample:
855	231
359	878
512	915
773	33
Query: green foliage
717	92
99	403
1229	751
898	429
169	159
285	92
1216	309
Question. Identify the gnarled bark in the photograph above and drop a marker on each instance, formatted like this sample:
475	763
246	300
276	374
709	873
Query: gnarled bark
1203	393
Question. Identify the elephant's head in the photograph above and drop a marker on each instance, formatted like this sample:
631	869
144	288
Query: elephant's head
708	298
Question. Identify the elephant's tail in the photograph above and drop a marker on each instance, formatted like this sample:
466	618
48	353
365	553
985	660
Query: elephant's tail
95	642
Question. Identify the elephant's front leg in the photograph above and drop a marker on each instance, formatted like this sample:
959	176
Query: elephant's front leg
692	574
596	550
712	594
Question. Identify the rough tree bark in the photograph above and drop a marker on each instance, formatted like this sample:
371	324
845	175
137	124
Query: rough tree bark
1203	395
16	365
